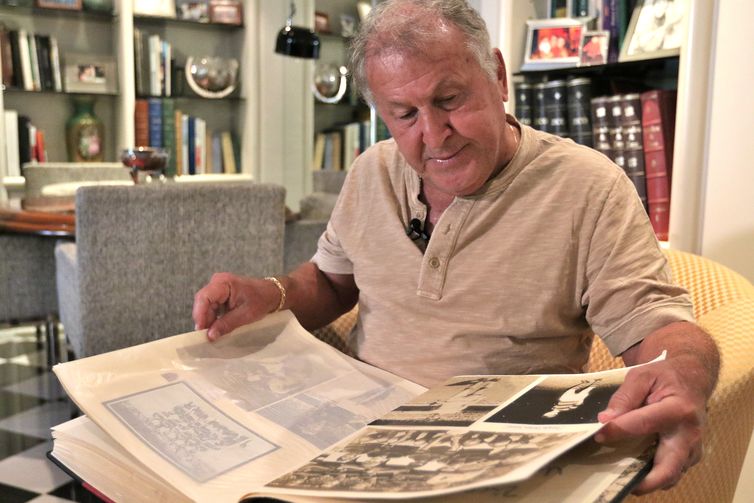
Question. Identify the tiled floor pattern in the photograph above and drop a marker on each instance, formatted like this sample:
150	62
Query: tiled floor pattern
31	401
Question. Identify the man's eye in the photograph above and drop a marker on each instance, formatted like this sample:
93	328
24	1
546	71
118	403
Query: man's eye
407	115
448	100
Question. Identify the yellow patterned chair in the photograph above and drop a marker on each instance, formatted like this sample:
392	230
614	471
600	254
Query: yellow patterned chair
724	307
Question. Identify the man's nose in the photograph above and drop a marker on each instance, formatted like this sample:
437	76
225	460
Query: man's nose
436	128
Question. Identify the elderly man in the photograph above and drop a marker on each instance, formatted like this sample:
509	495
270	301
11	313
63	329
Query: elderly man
476	245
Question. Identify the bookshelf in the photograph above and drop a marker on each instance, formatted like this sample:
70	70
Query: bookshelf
688	73
348	119
111	34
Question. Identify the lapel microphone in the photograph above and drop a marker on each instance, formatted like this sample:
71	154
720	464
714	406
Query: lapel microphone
415	230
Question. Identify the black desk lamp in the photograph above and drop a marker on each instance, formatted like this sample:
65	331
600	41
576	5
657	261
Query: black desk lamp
297	41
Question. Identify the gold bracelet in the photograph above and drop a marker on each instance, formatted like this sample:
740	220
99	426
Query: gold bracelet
282	292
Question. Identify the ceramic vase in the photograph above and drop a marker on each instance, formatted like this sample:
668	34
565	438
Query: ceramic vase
85	132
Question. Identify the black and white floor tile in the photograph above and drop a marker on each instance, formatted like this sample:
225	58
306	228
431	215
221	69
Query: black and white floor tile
31	401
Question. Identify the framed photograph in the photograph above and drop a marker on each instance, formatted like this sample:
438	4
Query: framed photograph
90	73
322	22
347	25
226	12
156	8
192	10
594	46
553	43
59	4
656	30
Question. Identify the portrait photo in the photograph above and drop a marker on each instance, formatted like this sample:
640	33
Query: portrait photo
553	43
594	48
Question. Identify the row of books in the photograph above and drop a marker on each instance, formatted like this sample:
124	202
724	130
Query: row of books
561	107
194	148
152	64
30	61
636	131
24	142
336	149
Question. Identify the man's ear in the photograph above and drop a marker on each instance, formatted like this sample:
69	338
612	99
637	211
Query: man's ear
502	75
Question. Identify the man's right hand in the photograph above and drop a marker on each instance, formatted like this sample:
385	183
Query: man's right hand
229	301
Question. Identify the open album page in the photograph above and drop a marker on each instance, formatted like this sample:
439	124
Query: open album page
472	432
217	420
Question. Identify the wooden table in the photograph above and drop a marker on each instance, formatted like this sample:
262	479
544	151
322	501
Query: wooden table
51	218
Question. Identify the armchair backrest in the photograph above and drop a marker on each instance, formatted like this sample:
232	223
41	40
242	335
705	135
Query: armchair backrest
724	306
143	251
40	175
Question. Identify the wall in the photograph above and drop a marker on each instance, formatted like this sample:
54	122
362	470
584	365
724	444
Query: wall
284	146
728	224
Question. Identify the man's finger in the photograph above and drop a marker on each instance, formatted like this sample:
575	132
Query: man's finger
207	302
670	461
629	396
228	322
653	418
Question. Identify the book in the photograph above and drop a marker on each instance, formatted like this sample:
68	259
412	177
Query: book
57	80
271	411
34	62
27	80
18	78
45	62
178	142
168	135
658	128
24	140
633	144
12	161
6	56
141	123
155	122
229	159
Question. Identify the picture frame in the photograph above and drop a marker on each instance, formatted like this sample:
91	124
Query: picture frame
226	12
553	43
322	22
192	10
90	73
59	4
155	8
594	48
656	30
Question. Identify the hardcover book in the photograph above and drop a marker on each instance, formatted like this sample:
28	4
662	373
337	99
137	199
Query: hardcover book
658	129
271	411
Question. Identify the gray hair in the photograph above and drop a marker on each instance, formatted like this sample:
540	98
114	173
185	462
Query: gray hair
411	25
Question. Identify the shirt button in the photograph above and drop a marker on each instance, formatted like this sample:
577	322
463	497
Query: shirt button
434	262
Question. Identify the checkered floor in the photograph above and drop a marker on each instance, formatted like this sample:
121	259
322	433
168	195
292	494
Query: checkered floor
31	401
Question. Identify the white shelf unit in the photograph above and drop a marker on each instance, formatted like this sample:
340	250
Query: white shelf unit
507	22
113	35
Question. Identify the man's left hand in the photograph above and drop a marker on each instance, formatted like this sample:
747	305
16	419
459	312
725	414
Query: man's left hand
655	399
667	398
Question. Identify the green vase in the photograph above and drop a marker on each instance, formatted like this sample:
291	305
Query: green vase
85	133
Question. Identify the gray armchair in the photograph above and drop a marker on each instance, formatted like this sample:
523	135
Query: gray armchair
302	234
141	253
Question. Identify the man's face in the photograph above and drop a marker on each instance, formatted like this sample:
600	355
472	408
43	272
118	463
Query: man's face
446	115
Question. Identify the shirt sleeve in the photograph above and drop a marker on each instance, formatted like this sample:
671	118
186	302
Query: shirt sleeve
630	292
330	256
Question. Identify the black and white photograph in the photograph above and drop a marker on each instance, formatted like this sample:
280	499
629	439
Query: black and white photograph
185	429
459	402
421	461
561	400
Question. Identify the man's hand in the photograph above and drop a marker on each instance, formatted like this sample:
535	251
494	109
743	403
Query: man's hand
229	301
667	398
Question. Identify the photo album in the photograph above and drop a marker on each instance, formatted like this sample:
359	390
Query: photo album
270	411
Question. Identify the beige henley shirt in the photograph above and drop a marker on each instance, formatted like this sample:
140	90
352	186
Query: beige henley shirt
515	279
